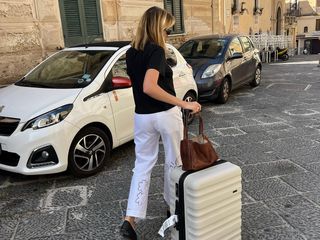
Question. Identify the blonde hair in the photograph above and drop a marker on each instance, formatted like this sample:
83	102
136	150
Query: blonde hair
151	26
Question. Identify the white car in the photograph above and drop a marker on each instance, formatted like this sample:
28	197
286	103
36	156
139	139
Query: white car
73	108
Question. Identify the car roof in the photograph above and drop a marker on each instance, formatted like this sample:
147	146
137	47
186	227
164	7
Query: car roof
214	36
117	44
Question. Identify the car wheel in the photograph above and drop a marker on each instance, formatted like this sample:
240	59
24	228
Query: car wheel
257	78
224	92
189	97
88	152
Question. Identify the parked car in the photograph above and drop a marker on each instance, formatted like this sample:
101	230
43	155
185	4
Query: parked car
73	108
221	64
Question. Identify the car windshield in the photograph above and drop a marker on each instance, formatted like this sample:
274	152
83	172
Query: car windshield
67	69
203	48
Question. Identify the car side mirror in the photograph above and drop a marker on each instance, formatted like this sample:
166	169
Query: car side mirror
121	82
171	62
236	55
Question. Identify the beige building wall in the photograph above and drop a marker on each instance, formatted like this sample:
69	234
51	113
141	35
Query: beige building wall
30	30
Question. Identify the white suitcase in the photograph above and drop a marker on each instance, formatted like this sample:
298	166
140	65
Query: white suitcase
207	203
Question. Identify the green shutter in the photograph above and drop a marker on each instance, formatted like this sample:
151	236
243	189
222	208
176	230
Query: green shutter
81	21
175	7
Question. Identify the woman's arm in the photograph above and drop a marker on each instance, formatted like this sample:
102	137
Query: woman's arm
151	88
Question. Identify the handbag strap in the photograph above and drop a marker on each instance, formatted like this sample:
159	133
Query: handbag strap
185	124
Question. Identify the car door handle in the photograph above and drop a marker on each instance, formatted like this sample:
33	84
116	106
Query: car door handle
182	74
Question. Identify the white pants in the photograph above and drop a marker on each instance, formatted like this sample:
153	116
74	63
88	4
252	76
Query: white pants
147	131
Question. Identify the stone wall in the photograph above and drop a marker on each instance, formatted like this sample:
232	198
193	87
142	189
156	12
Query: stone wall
29	31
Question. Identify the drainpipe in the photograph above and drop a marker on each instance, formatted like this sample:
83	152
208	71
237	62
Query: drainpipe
224	16
212	17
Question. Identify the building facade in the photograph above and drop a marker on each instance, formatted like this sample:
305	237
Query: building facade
30	30
303	21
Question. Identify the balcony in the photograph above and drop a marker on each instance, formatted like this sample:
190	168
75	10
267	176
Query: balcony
294	12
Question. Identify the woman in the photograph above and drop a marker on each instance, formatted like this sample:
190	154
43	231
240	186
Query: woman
157	111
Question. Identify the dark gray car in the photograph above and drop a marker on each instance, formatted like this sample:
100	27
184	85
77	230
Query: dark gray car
221	64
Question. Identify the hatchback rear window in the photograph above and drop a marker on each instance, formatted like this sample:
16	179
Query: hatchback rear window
68	69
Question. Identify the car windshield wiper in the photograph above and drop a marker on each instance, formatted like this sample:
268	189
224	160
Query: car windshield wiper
32	84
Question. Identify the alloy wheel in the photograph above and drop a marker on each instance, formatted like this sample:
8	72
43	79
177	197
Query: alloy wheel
258	76
89	152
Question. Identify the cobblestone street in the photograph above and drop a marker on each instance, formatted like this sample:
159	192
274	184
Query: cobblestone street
272	132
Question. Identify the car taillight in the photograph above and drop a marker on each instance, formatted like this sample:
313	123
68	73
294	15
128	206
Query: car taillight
188	65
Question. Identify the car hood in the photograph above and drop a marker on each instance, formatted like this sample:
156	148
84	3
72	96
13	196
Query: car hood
26	103
200	64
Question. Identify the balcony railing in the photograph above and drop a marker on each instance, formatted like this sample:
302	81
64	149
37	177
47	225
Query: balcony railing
294	12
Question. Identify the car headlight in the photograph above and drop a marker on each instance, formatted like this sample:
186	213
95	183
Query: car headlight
48	119
211	70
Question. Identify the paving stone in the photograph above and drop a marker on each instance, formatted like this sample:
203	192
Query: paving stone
67	197
246	199
303	181
71	181
268	119
41	225
253	157
272	233
292	132
268	188
227	140
99	233
279	168
266	127
88	218
291	143
257	216
3	178
302	156
148	229
251	173
8	226
313	167
299	213
253	137
313	196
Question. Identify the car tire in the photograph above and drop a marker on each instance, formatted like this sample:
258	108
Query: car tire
224	92
88	152
189	97
257	78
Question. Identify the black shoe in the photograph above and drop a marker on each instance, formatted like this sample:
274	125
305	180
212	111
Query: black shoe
127	231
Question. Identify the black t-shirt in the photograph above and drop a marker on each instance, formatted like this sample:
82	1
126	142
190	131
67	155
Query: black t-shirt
138	62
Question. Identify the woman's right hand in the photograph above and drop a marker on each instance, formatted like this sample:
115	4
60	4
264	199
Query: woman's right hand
195	107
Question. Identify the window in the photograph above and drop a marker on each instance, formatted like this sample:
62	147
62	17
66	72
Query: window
68	69
81	21
305	29
203	48
318	25
176	9
119	69
247	46
171	58
235	46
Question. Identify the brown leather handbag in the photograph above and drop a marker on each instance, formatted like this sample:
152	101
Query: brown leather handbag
197	152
